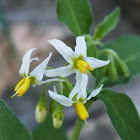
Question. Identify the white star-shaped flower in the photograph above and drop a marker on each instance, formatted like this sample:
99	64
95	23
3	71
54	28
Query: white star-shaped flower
78	101
78	62
35	77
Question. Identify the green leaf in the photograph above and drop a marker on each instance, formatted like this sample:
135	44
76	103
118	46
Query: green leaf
122	113
10	126
107	25
91	52
91	47
76	14
46	131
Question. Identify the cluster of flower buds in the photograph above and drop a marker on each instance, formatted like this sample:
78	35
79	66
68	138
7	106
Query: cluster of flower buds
116	68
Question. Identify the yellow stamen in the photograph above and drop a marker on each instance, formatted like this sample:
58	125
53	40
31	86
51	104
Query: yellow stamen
90	68
24	88
19	84
83	63
84	66
81	111
21	87
82	69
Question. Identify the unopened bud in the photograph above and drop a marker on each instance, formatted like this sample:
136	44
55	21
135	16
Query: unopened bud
112	71
58	116
40	113
41	109
122	68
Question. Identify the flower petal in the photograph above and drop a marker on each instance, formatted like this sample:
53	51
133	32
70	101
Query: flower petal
26	62
36	58
77	87
84	81
49	80
62	71
38	72
81	47
63	49
61	99
94	93
96	63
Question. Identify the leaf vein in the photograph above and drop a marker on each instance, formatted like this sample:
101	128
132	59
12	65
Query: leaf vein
74	18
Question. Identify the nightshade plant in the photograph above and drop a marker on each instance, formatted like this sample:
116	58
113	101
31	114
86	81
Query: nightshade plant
117	61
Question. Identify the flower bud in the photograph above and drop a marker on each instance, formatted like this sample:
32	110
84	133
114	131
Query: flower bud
122	68
58	116
41	109
40	113
112	71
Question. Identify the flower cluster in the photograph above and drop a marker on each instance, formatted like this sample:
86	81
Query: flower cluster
77	62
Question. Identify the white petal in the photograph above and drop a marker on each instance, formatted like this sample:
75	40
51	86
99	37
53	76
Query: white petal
62	71
36	58
26	62
84	82
49	80
77	87
81	47
38	72
63	49
94	93
61	99
96	63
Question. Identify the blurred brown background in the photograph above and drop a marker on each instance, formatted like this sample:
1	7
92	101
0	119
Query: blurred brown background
29	24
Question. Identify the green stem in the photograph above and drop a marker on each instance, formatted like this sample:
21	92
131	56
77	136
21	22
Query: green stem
68	84
45	87
61	88
43	97
77	129
108	51
79	123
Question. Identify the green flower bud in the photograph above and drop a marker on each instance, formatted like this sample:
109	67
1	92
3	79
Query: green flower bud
122	68
40	113
112	72
41	109
58	116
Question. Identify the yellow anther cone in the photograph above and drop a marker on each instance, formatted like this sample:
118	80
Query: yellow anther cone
90	68
83	63
19	84
82	69
81	111
84	66
21	87
24	87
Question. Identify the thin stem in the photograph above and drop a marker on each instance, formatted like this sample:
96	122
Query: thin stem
68	84
77	129
42	100
108	51
79	123
45	87
61	87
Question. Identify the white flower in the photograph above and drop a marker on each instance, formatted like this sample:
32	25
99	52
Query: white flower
78	62
35	77
77	100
